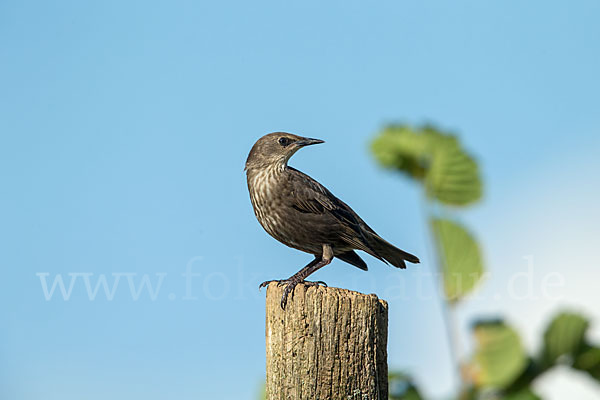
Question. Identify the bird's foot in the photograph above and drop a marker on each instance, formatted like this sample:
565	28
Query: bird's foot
267	283
315	283
284	281
289	288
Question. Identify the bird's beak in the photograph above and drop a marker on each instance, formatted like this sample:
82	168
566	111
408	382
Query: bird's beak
308	141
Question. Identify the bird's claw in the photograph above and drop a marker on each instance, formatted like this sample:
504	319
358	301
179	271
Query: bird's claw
315	283
266	283
289	288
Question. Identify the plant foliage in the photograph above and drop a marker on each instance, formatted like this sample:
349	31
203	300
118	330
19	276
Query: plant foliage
500	368
499	356
448	173
461	258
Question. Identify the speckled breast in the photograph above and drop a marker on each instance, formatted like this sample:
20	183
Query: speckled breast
268	194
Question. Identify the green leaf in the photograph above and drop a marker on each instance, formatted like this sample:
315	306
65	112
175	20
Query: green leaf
588	360
462	264
564	336
401	148
523	394
436	159
499	358
453	177
402	387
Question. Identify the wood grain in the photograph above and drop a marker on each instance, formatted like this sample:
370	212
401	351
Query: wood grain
328	343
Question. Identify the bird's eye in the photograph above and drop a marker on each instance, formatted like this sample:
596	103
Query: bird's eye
284	141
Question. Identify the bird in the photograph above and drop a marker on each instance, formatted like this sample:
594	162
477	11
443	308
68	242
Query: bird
301	213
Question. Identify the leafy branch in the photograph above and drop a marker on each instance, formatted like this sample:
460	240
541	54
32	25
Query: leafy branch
500	368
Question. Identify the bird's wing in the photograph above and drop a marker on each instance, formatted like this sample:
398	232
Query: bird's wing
314	198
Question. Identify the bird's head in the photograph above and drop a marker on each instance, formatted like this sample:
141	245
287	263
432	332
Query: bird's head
276	149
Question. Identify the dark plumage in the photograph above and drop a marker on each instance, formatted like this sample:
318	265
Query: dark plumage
301	213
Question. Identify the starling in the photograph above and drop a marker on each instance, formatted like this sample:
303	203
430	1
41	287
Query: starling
301	213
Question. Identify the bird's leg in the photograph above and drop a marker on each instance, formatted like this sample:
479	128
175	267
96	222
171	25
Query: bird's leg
298	277
283	281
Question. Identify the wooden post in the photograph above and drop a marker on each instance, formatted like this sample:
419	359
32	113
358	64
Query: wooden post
328	343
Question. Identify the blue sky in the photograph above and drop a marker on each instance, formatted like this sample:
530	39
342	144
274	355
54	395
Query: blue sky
125	127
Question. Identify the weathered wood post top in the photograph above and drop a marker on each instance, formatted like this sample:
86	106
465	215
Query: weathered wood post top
328	343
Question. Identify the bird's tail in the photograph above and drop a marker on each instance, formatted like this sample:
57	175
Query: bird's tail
391	253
